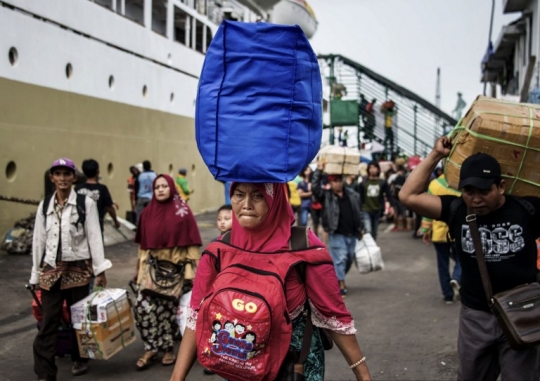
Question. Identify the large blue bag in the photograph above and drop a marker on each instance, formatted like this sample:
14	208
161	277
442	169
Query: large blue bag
259	104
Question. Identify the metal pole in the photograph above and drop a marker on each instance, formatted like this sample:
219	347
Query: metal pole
489	37
415	109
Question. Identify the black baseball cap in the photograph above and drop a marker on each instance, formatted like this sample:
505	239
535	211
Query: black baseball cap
479	171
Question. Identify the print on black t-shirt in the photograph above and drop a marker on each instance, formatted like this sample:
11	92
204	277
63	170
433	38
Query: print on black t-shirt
508	237
101	196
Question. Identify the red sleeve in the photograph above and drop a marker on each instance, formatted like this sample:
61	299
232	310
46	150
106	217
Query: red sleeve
329	310
204	278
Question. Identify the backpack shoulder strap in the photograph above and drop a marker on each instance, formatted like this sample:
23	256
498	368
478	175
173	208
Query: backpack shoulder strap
531	210
45	207
226	238
81	208
299	238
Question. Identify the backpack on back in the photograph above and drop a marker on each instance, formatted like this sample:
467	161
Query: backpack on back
81	208
243	327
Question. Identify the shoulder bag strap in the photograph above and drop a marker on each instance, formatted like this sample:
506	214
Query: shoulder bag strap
306	340
475	235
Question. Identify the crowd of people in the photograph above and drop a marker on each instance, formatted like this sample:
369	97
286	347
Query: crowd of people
68	257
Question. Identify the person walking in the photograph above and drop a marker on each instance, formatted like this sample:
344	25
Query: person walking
373	191
97	192
168	236
143	187
370	120
131	189
436	231
182	184
67	251
304	191
341	219
262	221
508	238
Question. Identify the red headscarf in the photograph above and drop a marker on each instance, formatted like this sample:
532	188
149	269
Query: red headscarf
274	232
167	224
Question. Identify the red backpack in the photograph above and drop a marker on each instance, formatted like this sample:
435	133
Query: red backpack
243	327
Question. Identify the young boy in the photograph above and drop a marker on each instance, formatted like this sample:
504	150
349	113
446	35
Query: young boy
224	219
224	224
66	251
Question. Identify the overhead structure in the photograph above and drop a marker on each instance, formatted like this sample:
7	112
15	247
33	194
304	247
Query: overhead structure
416	123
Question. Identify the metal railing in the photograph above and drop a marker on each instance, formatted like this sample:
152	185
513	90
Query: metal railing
417	122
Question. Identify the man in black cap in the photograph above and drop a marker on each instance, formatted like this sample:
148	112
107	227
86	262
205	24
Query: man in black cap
508	231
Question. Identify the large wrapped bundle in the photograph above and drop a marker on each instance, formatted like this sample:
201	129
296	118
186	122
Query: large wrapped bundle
340	160
259	104
508	131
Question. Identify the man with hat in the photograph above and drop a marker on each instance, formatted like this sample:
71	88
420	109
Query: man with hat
341	219
67	250
508	230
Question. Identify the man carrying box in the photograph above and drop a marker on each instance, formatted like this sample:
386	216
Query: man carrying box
67	250
508	228
341	219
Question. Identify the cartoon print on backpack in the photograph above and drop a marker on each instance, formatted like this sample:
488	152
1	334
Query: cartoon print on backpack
216	327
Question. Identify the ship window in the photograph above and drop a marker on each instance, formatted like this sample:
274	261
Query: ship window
182	25
199	38
208	37
144	90
171	169
111	82
69	70
134	10
13	56
172	97
110	170
11	171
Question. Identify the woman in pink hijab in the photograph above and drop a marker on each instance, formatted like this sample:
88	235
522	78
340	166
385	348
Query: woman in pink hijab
262	222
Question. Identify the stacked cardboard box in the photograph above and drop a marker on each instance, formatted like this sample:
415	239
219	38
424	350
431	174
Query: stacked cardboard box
508	131
103	323
340	160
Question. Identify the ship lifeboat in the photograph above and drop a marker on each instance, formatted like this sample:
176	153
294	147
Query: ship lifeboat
295	12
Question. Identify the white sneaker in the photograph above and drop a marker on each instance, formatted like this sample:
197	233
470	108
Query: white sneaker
455	287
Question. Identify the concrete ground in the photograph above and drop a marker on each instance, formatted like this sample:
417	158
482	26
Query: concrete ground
404	328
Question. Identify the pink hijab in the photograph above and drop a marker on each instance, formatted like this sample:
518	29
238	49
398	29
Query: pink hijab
274	232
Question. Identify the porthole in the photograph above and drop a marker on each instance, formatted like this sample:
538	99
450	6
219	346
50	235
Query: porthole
171	169
172	97
69	71
144	91
110	170
11	171
169	58
13	56
111	82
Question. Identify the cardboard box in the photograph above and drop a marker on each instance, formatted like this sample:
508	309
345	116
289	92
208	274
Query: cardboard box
101	341
340	160
508	131
99	306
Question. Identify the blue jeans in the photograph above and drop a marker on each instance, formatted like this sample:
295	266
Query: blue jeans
304	213
371	222
342	252
445	252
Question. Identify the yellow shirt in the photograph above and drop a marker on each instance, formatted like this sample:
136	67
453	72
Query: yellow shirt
439	187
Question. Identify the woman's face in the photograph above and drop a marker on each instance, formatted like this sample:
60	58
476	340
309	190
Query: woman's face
249	205
162	191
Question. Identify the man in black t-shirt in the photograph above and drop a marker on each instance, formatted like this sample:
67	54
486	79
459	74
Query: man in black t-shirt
97	192
508	233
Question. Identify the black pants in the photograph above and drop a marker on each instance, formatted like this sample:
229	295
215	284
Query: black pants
45	342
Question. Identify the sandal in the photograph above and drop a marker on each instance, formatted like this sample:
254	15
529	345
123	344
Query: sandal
145	360
168	359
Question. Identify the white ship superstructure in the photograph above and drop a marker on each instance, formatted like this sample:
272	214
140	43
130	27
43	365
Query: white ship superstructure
113	80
